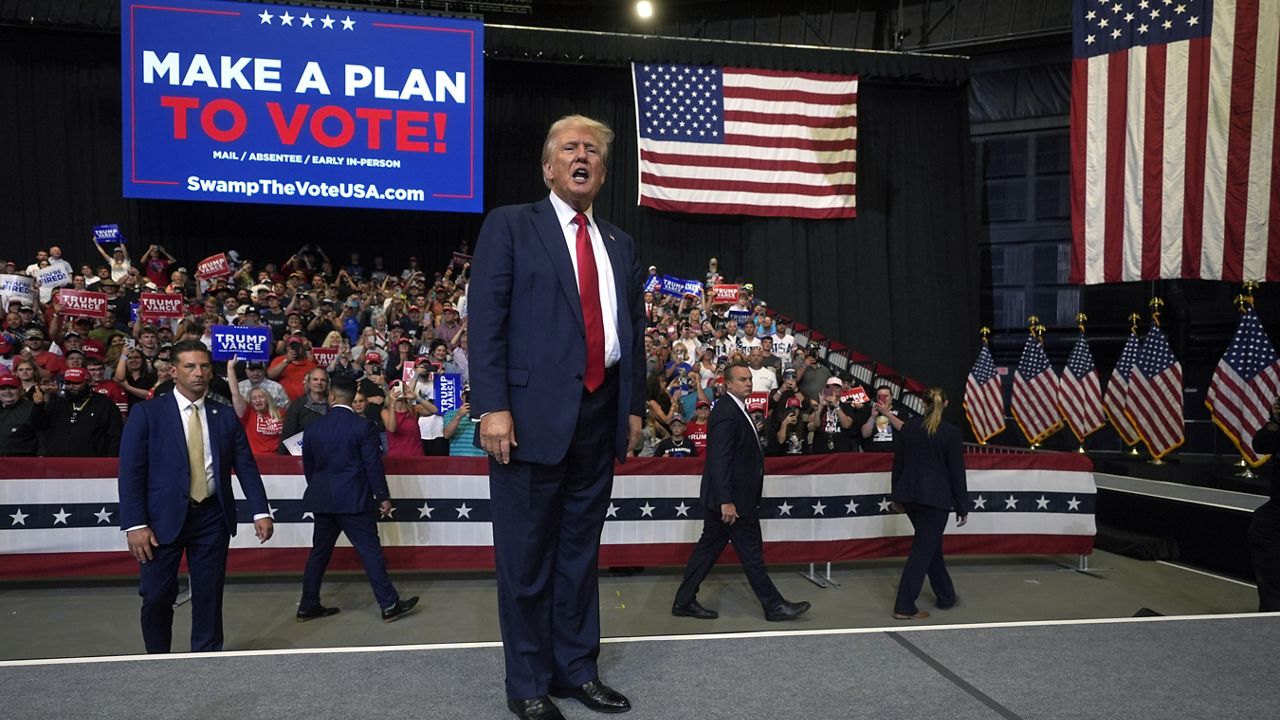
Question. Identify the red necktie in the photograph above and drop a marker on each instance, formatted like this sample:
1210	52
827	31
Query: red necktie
592	316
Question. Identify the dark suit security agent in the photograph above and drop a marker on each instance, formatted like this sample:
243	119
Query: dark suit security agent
732	484
556	322
346	492
177	454
928	482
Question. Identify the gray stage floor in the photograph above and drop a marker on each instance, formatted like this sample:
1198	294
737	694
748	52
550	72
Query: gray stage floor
52	621
1223	667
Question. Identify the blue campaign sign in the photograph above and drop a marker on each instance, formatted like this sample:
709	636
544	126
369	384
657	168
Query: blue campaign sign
677	287
652	284
240	102
107	234
247	343
448	392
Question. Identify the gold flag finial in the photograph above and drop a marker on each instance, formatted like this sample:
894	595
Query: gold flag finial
985	332
1032	321
1156	303
1242	302
1133	323
1080	320
1249	287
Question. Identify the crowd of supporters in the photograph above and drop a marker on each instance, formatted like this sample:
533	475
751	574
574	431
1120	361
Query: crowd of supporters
67	383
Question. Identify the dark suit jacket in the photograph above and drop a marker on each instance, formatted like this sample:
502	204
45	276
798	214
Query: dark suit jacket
929	470
342	460
155	478
527	342
734	469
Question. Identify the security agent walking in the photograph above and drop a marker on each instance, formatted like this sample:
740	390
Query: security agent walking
176	458
928	482
557	379
346	491
732	484
1264	530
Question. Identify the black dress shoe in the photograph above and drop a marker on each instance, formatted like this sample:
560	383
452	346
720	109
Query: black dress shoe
539	708
786	611
399	610
694	610
318	611
596	696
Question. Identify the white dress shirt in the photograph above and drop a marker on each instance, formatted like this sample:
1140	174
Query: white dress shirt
184	412
604	270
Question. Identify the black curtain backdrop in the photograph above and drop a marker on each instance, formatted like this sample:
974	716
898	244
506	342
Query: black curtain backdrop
899	282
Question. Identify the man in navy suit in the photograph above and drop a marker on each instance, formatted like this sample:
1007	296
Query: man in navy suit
177	454
346	489
556	322
732	484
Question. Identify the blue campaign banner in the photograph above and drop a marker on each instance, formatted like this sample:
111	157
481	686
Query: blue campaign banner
133	312
652	284
448	392
241	102
677	287
107	234
247	343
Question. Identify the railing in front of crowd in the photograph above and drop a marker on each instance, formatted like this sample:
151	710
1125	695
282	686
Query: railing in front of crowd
851	364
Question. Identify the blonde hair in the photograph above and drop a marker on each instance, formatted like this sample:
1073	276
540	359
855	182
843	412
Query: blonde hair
602	132
272	410
934	398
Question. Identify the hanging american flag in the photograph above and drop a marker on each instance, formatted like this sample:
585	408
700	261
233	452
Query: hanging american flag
1154	401
983	401
1113	401
1173	159
1080	393
730	141
1244	385
1035	387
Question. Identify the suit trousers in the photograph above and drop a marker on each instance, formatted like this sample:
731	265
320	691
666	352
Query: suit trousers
362	531
924	559
547	521
204	539
745	535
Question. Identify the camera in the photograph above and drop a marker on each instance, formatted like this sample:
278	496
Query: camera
374	369
295	347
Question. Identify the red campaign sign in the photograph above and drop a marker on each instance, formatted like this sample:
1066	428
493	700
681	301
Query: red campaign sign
724	293
758	401
324	356
160	305
83	303
857	395
460	258
213	266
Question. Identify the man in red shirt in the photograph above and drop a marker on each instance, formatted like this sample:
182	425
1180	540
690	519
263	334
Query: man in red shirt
100	384
290	369
697	429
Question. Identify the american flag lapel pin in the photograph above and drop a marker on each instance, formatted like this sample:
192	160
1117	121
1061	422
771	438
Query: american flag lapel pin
611	237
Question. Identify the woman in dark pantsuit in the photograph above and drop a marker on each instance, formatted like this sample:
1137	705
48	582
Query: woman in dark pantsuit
928	482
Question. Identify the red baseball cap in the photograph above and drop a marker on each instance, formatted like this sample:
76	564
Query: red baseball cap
9	381
74	375
373	357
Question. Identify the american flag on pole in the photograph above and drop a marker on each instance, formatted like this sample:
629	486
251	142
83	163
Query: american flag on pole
1244	385
1035	388
1080	393
1174	163
1154	401
983	400
742	141
1113	401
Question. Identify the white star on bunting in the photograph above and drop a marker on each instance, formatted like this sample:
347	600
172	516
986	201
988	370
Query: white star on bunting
1011	503
61	516
266	18
327	22
19	518
819	508
785	508
286	19
464	511
885	505
980	503
425	511
851	508
307	20
308	515
682	510
612	512
102	515
348	24
1073	503
646	510
1042	503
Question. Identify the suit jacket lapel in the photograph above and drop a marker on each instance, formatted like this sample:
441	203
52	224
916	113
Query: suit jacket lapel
172	418
215	433
552	237
620	277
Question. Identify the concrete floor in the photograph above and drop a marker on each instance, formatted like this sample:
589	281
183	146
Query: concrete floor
46	621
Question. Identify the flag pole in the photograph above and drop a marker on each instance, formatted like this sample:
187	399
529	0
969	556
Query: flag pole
1080	319
1133	329
1037	330
1243	302
1156	303
985	332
